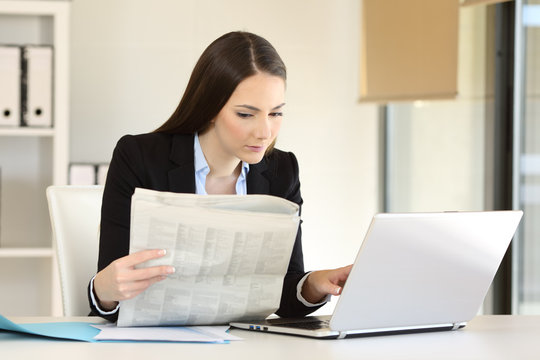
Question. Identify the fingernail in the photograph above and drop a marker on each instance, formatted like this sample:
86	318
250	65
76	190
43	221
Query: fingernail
171	270
338	291
162	252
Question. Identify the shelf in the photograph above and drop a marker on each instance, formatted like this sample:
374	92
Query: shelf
17	7
26	252
34	158
24	131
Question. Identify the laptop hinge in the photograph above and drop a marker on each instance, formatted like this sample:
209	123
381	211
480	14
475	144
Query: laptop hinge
342	335
456	326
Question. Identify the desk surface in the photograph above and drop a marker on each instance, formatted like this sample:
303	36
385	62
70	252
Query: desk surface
485	337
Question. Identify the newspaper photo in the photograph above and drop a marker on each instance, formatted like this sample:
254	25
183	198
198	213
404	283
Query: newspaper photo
230	253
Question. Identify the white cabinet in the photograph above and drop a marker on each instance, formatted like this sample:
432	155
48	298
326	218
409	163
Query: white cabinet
30	160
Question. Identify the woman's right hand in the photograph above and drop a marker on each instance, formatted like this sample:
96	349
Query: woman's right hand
121	281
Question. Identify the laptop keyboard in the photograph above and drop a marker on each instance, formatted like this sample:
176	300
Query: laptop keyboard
314	324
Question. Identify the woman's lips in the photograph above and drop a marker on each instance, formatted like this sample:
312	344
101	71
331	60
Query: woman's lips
255	148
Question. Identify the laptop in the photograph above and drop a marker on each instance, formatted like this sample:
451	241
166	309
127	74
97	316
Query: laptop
415	272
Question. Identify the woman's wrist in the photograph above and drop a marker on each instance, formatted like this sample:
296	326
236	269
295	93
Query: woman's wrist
309	291
107	305
97	304
103	304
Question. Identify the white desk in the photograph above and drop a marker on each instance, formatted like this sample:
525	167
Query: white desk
485	337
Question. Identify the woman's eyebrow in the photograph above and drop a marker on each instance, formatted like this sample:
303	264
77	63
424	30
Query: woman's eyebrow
257	109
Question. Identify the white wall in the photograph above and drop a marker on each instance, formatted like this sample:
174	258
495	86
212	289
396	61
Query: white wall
131	60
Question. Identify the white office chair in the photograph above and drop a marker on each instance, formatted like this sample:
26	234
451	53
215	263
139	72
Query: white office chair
75	213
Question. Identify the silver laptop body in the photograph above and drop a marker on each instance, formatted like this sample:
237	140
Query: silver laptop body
413	273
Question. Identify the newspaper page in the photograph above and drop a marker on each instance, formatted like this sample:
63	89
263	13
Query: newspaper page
230	253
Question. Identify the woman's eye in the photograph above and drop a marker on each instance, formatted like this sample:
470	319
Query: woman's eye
244	115
276	114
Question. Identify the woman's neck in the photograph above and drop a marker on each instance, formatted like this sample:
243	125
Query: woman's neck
221	164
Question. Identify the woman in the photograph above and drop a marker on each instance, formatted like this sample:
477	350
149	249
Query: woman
218	141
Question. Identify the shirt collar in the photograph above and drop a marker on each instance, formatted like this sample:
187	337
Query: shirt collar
200	161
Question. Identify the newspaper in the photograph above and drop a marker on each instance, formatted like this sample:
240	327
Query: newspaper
230	253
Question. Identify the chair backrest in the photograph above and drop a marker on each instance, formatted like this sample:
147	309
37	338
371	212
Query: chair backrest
75	213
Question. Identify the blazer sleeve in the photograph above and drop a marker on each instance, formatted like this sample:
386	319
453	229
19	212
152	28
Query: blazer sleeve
290	306
123	176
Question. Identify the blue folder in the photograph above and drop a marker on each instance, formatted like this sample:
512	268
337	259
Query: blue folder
81	331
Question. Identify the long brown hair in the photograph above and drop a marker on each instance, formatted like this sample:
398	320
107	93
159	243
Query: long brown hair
222	66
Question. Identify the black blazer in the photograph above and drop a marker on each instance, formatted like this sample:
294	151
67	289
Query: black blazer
165	162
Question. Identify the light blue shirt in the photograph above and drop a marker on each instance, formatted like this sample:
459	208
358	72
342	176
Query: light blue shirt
202	169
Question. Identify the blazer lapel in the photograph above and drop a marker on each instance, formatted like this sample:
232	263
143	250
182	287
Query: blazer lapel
182	178
257	182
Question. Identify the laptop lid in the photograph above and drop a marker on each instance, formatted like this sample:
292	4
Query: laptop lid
419	271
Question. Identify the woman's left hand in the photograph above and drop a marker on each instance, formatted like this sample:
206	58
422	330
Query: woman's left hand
323	282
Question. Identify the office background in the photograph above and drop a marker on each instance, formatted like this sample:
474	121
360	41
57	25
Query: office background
130	61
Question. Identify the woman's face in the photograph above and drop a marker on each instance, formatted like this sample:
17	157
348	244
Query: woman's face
250	121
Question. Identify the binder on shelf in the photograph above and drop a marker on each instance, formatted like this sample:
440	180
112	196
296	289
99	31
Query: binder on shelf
101	176
10	86
37	85
82	174
88	173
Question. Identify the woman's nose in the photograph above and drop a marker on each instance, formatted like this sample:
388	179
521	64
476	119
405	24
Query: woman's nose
264	130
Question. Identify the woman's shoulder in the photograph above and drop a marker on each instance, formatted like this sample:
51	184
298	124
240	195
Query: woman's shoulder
151	140
279	161
149	157
280	168
277	155
146	138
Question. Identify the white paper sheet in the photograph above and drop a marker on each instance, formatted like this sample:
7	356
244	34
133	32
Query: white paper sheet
210	334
